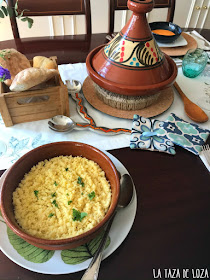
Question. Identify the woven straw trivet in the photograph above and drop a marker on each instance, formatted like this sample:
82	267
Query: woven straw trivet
179	51
163	103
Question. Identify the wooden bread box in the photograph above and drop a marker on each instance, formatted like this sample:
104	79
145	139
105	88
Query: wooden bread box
34	105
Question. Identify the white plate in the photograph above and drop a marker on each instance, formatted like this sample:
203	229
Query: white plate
119	230
180	42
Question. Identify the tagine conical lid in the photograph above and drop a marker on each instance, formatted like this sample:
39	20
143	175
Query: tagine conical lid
132	63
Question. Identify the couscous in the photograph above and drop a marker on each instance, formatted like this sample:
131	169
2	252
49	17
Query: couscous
62	197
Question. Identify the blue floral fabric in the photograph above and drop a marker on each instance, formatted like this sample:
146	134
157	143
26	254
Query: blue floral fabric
187	135
152	143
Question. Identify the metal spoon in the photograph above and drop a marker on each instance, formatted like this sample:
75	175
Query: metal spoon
126	195
73	86
62	123
193	111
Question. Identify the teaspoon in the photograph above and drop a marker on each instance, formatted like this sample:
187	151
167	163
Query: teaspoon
125	198
73	86
62	123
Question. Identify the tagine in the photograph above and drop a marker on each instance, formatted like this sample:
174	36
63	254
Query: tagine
131	68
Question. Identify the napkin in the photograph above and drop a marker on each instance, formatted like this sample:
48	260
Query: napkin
187	135
202	42
143	136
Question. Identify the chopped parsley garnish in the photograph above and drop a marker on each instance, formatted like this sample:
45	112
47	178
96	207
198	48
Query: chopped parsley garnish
77	215
55	183
91	195
69	202
51	215
82	193
66	169
55	203
79	181
67	194
53	194
36	194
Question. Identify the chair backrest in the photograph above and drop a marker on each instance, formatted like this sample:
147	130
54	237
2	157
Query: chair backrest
51	8
122	5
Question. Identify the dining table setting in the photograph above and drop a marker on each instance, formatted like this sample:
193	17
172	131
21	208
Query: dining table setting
161	227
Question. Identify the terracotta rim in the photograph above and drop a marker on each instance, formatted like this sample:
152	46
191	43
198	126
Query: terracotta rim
61	242
124	89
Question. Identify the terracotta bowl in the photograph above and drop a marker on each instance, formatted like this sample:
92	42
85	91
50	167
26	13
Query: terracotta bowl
25	163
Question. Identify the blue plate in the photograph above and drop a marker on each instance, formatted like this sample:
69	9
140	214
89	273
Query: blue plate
165	26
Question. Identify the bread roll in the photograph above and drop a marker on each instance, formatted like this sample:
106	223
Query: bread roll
44	62
31	77
14	61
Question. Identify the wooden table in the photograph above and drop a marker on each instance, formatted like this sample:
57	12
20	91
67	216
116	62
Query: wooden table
171	228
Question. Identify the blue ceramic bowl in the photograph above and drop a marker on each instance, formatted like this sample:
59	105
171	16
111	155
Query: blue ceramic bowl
165	26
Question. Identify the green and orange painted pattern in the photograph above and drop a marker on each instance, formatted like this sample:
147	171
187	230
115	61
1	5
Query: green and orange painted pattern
83	111
104	129
92	123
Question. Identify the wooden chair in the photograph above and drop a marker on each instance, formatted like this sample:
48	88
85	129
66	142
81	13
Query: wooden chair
51	8
122	5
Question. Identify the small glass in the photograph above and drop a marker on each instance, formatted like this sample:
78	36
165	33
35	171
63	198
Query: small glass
194	62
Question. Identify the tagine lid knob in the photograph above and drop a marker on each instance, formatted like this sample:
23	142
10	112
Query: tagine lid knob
138	27
140	6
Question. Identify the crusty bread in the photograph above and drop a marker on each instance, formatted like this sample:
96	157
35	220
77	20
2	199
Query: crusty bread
44	62
31	77
14	61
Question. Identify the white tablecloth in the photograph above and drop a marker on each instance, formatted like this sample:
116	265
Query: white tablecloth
21	138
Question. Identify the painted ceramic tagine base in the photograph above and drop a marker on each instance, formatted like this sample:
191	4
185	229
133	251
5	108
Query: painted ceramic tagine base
132	63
